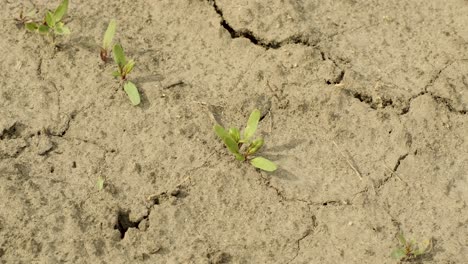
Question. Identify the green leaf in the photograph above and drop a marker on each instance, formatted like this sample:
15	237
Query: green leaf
255	146
263	164
109	35
50	19
43	29
119	56
65	30
239	157
31	26
252	124
61	29
128	67
61	10
398	254
132	93
220	132
116	73
235	134
228	141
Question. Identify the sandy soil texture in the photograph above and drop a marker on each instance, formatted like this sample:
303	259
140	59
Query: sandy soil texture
364	107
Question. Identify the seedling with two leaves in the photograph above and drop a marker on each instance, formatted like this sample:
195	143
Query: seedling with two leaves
124	68
410	250
243	147
52	23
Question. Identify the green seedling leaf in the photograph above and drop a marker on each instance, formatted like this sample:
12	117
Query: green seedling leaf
128	67
132	93
255	146
61	10
116	73
239	157
61	29
65	30
50	19
263	164
398	254
252	124
100	183
43	29
31	26
220	132
230	143
109	35
119	56
235	134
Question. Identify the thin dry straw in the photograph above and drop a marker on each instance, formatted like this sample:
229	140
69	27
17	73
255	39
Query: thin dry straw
348	161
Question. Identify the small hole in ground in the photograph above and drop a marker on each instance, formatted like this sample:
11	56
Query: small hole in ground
124	223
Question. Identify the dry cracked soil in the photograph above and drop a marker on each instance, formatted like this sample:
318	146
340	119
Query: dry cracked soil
364	109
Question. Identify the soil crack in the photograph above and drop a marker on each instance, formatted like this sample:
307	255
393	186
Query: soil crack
248	34
300	39
393	171
284	198
400	159
304	40
441	100
307	233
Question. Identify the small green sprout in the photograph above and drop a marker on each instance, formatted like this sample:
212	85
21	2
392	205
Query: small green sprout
124	68
410	250
242	146
52	24
100	183
107	41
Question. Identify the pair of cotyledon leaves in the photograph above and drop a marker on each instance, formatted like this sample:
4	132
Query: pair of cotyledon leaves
233	140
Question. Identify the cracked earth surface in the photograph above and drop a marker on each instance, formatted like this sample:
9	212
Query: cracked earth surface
365	112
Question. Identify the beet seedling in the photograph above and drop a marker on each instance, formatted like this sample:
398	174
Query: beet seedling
52	23
243	147
410	250
107	41
124	68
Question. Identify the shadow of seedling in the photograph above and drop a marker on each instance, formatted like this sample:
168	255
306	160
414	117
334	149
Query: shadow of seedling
286	146
411	251
243	147
283	173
